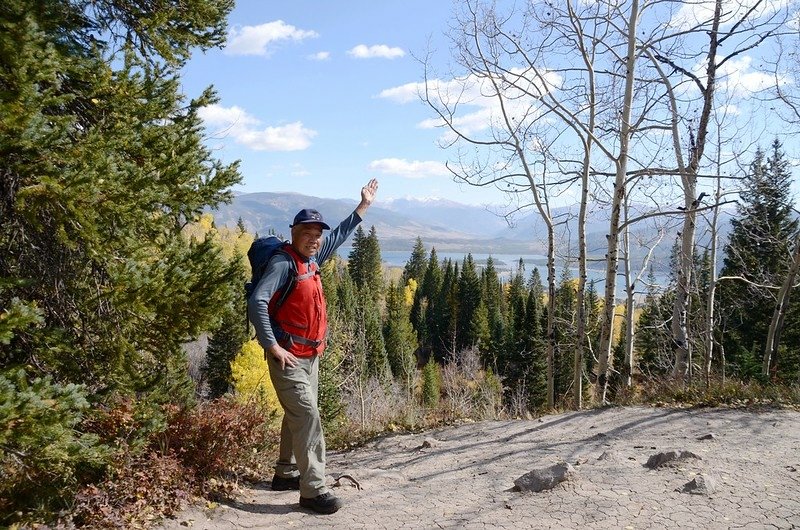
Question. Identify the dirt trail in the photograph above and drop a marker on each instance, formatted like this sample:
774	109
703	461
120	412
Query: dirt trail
462	477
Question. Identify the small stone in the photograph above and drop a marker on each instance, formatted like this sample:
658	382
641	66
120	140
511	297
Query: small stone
709	436
700	485
609	455
544	478
659	459
429	443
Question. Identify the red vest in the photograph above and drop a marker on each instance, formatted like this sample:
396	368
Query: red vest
301	322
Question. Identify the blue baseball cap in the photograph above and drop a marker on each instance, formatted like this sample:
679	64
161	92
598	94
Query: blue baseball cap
309	215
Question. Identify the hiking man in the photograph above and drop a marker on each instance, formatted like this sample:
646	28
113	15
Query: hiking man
293	337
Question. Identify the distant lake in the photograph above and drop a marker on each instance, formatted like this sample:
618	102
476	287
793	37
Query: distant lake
506	266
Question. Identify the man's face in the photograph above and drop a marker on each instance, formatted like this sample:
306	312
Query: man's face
306	238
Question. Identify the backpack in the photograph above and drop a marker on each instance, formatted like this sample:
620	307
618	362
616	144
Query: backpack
259	254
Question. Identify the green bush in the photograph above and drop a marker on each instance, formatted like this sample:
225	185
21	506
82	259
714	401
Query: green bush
431	384
43	458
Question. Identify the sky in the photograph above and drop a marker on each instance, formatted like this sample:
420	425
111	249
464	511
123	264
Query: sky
317	97
312	99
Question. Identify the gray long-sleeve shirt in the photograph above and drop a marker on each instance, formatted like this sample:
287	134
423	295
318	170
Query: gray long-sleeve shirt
277	274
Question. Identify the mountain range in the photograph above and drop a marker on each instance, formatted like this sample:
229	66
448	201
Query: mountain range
450	226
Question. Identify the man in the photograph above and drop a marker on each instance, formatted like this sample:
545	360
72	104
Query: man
293	336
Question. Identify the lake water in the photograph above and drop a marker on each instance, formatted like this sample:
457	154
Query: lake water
506	266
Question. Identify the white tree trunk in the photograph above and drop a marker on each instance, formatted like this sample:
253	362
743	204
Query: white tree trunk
782	303
618	196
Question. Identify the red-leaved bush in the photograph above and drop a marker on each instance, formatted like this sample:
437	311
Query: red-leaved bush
216	437
138	490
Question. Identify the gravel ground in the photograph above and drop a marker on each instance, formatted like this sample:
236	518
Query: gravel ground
747	467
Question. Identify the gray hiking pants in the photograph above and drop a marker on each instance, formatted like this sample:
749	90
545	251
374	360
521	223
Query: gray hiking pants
302	448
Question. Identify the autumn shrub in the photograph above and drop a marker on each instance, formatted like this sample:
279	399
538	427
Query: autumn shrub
43	457
251	378
373	407
470	392
216	438
125	423
139	489
728	392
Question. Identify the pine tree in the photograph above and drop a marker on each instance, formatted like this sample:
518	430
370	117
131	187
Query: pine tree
401	341
534	346
431	384
103	167
469	299
416	264
224	345
492	294
97	186
423	310
364	262
758	251
565	315
377	359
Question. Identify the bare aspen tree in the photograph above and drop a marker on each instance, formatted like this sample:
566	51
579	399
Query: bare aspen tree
781	306
632	279
588	92
618	196
525	99
740	28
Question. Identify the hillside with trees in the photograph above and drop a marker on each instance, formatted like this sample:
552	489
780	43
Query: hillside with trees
129	381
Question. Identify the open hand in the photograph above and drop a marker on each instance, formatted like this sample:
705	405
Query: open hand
368	192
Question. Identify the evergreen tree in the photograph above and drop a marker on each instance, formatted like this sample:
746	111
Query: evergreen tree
364	262
377	359
422	311
417	264
469	299
103	167
534	346
653	336
400	339
356	260
224	345
758	251
443	317
492	294
97	186
565	318
336	283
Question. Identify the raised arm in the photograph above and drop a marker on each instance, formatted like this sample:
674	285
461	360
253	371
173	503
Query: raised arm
367	196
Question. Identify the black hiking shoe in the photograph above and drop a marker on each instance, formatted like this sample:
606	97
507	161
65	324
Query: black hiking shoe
326	503
285	484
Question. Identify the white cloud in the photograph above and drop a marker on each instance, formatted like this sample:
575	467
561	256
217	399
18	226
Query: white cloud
255	40
476	98
413	169
403	93
692	14
738	77
377	51
730	110
246	130
320	56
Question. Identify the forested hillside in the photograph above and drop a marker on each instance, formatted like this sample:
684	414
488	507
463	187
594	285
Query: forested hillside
112	264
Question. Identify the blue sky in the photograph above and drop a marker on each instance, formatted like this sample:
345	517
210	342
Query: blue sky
312	98
317	96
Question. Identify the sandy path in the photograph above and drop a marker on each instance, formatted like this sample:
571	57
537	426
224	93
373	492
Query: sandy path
464	479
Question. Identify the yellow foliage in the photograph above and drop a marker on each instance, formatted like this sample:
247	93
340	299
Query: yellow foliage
251	377
409	291
231	241
619	319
